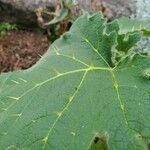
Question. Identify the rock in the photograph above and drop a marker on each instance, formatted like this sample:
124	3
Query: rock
30	5
114	8
143	9
143	13
10	13
23	11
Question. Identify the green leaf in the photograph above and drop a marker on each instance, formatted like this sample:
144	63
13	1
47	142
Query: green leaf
62	16
126	41
6	27
72	96
131	25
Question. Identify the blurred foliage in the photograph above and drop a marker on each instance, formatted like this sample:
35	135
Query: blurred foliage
63	11
57	21
6	27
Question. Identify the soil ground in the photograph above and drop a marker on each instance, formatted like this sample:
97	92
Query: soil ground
21	49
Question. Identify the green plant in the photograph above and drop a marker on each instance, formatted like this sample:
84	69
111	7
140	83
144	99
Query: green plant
62	12
59	21
6	27
89	91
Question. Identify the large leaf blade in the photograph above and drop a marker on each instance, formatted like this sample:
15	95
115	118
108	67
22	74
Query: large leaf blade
72	95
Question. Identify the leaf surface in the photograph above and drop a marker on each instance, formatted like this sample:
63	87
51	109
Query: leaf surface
131	25
73	95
